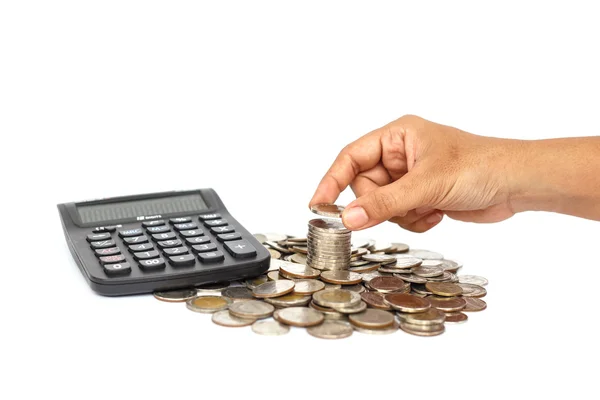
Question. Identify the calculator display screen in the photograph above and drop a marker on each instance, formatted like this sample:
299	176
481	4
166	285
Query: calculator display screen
97	213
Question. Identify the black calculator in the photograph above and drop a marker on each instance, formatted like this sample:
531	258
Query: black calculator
161	241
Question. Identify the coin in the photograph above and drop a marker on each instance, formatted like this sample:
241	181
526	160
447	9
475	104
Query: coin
447	304
422	330
379	258
381	247
444	289
279	248
274	237
254	282
273	288
386	284
336	298
433	316
372	318
412	278
445	277
425	254
274	253
420	288
474	304
175	296
341	277
270	328
362	242
331	330
299	316
473	279
274	276
291	270
427	272
208	304
289	300
238	293
308	286
375	300
327	226
358	263
296	240
299	258
251	309
360	307
209	287
399	248
331	286
329	313
381	331
408	262
224	318
369	267
300	249
406	302
358	288
456	317
471	290
366	277
328	210
451	266
260	237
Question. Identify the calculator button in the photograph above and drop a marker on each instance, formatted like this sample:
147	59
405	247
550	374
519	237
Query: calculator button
104	229
144	255
191	233
117	269
215	222
136	239
222	229
213	256
163	236
197	240
184	227
156	222
200	248
107	252
169	243
98	236
158	229
140	247
240	249
183	260
103	244
180	220
173	251
229	236
112	259
131	232
153	264
206	217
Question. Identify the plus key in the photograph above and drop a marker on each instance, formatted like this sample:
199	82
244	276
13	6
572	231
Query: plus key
240	249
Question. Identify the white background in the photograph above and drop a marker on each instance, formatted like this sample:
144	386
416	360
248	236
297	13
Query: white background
255	99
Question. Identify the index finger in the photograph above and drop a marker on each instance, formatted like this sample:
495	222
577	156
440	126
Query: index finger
360	155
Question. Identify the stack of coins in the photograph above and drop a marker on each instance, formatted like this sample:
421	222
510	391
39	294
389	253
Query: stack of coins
329	244
385	288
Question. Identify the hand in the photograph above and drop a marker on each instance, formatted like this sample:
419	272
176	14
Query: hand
413	171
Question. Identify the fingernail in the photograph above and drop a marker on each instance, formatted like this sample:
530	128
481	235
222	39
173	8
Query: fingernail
434	218
355	217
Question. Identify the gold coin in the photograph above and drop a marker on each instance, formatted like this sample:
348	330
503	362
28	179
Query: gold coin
381	331
299	316
292	270
447	304
336	297
308	286
274	253
375	300
408	303
224	318
273	289
433	316
472	290
289	300
251	309
387	284
372	318
331	329
423	330
341	277
444	289
208	304
474	304
456	317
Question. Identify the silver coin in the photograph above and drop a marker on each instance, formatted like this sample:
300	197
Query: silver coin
238	293
382	247
472	290
254	282
269	327
432	263
360	307
425	254
341	277
299	316
251	309
379	258
308	286
328	210
366	277
473	279
273	289
408	262
362	242
358	263
274	237
209	287
445	277
289	300
451	266
358	288
399	248
331	329
412	278
327	226
175	296
298	271
427	272
336	298
370	267
329	313
296	240
224	318
298	258
279	248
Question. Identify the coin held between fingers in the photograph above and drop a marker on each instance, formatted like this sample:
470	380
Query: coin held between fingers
355	217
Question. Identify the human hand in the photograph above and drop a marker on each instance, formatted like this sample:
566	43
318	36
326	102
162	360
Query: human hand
413	171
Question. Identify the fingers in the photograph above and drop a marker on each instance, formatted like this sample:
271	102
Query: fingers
359	156
424	223
411	191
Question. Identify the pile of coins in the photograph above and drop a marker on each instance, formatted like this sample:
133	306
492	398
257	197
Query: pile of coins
385	287
328	242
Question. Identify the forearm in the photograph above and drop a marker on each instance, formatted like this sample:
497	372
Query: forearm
557	175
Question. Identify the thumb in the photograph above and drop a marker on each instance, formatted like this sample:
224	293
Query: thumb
396	199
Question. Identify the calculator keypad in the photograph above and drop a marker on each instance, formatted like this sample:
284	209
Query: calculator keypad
167	244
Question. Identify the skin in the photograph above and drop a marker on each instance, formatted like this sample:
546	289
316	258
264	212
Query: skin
413	172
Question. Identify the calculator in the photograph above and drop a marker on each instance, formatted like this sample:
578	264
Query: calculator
161	241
